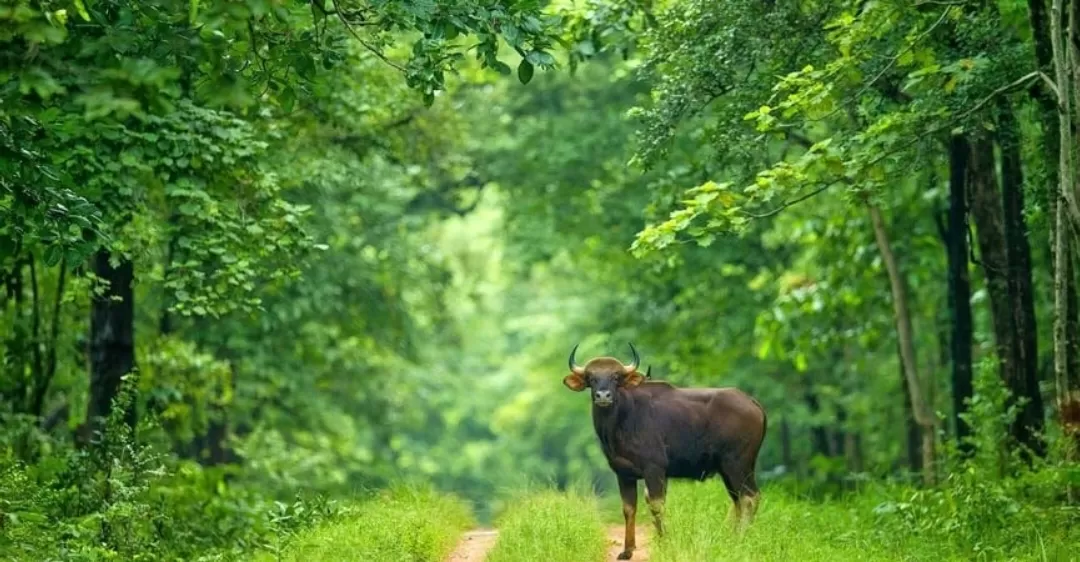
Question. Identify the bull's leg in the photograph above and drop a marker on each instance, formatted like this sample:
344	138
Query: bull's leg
748	508
655	493
628	491
735	513
742	487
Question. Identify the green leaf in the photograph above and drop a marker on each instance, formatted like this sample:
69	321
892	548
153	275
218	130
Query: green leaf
81	8
503	68
525	71
53	255
288	99
540	58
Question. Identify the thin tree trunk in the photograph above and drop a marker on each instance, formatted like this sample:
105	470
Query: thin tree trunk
112	340
1072	323
16	345
959	289
35	332
906	336
1067	382
41	384
911	429
785	445
856	451
1064	58
839	434
819	438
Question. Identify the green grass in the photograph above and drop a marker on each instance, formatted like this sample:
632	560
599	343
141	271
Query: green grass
790	528
414	524
550	527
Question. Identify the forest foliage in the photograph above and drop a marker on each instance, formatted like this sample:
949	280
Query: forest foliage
259	254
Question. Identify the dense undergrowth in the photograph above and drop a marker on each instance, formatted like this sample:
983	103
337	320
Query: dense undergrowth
403	523
128	499
121	501
550	527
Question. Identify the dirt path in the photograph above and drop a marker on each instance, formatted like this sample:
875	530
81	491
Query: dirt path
615	539
476	544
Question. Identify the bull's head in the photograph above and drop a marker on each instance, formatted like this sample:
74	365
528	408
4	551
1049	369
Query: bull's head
604	375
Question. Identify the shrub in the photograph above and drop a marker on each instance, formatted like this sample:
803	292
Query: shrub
403	523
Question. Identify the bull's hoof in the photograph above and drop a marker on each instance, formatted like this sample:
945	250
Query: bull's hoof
625	555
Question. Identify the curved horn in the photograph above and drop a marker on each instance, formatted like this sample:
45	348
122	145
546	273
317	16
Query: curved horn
634	363
574	366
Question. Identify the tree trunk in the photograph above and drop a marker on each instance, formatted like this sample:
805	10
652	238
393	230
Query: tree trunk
1021	286
906	336
16	345
786	458
44	379
1065	59
1067	382
112	340
1004	271
959	290
838	436
819	438
912	437
856	451
1066	353
213	447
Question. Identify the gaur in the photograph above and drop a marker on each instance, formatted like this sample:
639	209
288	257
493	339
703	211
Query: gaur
653	431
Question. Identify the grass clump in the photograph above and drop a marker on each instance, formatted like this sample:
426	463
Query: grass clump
403	523
550	527
785	529
868	526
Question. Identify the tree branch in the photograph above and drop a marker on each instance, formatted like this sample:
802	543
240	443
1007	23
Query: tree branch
917	138
365	44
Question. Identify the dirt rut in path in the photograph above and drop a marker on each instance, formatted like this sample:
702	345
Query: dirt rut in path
474	546
615	540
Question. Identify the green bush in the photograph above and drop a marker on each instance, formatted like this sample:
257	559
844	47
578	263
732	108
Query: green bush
403	523
550	527
121	499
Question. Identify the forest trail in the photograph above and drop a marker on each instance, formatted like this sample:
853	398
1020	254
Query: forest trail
476	544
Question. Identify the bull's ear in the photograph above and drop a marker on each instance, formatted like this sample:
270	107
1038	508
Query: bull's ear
633	379
574	382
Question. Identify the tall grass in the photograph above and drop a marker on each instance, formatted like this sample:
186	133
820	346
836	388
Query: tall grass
550	527
867	527
403	523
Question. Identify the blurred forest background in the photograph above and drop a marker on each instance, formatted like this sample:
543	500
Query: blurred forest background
257	248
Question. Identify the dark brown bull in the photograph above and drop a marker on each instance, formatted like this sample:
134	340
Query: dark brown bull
653	431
